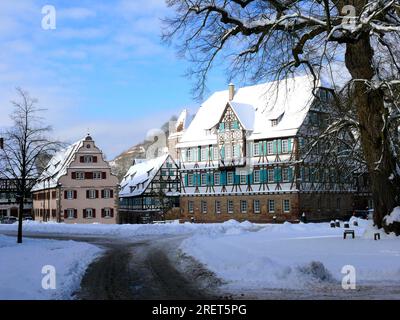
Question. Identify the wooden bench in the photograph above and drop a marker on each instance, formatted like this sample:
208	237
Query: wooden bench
346	232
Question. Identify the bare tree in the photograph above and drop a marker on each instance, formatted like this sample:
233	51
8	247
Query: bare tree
276	38
25	143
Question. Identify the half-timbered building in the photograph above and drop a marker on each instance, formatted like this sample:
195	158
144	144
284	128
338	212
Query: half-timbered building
244	157
150	190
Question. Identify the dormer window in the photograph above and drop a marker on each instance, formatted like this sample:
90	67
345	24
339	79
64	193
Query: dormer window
274	122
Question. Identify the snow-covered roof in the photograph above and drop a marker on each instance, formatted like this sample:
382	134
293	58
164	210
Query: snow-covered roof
256	106
57	167
245	113
139	176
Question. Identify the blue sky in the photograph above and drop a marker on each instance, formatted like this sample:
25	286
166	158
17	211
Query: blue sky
104	68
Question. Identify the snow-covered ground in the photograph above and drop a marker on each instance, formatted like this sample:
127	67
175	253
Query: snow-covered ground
244	255
297	256
21	267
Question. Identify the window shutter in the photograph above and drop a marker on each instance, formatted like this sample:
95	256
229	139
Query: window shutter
279	146
276	174
75	194
75	213
275	148
223	178
290	145
87	175
97	194
265	148
94	159
104	175
102	194
94	213
82	159
290	174
112	213
65	214
84	214
65	194
236	179
112	194
186	180
103	213
87	194
73	175
198	153
223	152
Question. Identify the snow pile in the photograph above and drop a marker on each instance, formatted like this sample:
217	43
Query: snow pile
393	217
295	256
127	231
21	267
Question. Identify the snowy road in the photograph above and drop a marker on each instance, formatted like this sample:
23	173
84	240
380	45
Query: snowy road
137	269
222	261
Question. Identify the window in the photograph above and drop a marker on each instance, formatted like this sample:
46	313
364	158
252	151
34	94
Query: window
274	122
71	213
243	177
80	175
217	207
69	195
256	205
88	159
285	146
203	154
243	206
230	177
256	176
228	151
216	153
106	194
204	179
217	179
271	206
190	207
256	150
286	205
190	179
230	206
189	154
270	147
91	194
204	207
89	213
97	175
236	151
271	175
285	174
107	213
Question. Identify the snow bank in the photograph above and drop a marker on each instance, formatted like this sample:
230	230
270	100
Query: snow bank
393	217
211	230
21	267
295	256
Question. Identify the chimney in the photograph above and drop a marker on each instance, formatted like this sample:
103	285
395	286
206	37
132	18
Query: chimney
231	91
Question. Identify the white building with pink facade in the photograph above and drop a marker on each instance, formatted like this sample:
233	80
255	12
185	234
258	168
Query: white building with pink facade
77	186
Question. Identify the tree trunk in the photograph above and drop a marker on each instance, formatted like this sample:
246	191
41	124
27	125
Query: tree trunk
20	215
375	141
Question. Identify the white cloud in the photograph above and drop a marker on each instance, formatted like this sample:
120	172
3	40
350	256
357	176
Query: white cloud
76	13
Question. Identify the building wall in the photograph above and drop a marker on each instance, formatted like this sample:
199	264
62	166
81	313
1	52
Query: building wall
250	215
55	199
